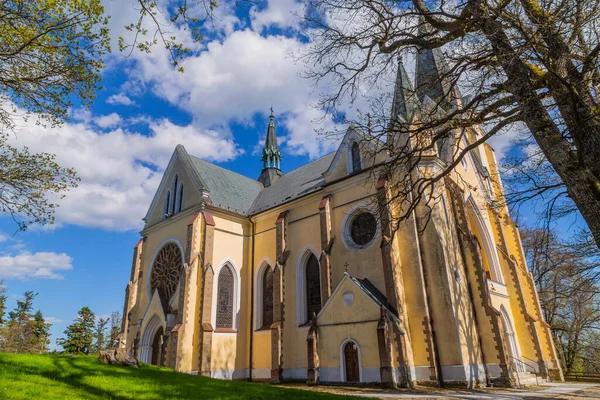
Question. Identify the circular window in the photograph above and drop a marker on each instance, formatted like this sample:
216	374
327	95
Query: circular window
363	228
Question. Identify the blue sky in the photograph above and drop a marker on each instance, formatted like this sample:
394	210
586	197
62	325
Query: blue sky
217	109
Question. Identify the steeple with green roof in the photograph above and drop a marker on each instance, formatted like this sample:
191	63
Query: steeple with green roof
271	156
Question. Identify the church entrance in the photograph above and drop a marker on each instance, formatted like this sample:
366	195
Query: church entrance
157	347
351	362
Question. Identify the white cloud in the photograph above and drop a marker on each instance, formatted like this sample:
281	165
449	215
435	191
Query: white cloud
120	99
52	320
119	169
3	237
108	121
281	13
34	265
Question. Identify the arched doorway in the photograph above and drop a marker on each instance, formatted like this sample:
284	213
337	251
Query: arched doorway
351	362
510	338
157	347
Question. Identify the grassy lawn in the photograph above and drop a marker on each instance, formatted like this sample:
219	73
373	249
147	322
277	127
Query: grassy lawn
79	377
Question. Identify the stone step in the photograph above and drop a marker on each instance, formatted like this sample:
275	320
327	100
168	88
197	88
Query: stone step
527	379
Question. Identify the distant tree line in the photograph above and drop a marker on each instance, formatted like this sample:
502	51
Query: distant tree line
24	331
567	277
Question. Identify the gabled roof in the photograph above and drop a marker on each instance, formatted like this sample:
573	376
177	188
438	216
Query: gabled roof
296	183
227	190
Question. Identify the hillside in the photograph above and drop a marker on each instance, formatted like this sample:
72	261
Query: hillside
79	377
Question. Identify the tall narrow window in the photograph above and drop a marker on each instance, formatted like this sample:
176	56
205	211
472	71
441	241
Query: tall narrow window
225	298
313	287
267	311
356	166
174	190
166	203
179	199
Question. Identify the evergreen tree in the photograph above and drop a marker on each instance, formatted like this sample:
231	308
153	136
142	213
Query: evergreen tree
115	329
100	335
80	334
18	334
2	302
41	330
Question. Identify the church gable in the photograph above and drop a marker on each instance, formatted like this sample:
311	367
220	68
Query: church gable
181	187
354	154
348	303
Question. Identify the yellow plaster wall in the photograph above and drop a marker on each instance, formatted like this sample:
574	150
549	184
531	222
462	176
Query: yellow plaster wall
231	244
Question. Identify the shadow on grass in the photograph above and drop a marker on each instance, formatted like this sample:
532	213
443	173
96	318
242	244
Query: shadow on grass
88	377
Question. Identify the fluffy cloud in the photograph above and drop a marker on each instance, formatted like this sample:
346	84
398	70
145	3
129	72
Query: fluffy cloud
119	169
34	265
120	99
52	320
281	13
108	121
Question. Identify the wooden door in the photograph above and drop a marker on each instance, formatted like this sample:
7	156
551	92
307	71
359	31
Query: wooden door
351	361
157	347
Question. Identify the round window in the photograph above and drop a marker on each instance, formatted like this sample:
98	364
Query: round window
363	228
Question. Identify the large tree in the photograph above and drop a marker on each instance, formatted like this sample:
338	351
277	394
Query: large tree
51	56
528	62
80	334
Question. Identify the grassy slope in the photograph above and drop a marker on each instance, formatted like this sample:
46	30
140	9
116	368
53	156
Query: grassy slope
68	377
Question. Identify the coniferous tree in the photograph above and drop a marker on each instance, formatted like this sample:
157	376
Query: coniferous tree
2	302
80	334
100	335
41	330
18	335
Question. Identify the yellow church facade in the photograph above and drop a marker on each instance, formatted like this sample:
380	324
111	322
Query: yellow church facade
299	276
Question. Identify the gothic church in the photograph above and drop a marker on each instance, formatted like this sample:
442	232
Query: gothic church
291	277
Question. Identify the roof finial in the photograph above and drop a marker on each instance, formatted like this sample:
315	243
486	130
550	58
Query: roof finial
272	115
271	155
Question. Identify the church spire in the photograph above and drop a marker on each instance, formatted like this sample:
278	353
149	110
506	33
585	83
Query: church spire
271	155
404	103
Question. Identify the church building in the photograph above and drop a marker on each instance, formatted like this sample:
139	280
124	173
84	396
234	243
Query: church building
299	276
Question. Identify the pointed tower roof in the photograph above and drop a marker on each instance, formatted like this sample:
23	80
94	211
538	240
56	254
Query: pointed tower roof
271	155
404	104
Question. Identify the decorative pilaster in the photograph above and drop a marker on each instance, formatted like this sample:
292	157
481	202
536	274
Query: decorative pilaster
386	244
313	356
278	305
206	327
385	351
326	245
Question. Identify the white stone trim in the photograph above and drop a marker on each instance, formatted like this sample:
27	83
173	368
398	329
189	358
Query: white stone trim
236	293
347	221
145	352
151	265
343	360
264	264
301	312
488	244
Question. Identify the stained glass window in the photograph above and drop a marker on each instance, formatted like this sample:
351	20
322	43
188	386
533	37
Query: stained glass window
174	190
267	297
356	165
363	228
166	270
313	287
225	298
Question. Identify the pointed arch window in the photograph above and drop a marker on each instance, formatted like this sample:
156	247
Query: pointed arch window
313	287
225	297
166	204
174	191
356	164
267	301
179	199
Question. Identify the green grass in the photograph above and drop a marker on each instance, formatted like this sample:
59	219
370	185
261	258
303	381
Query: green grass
79	377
